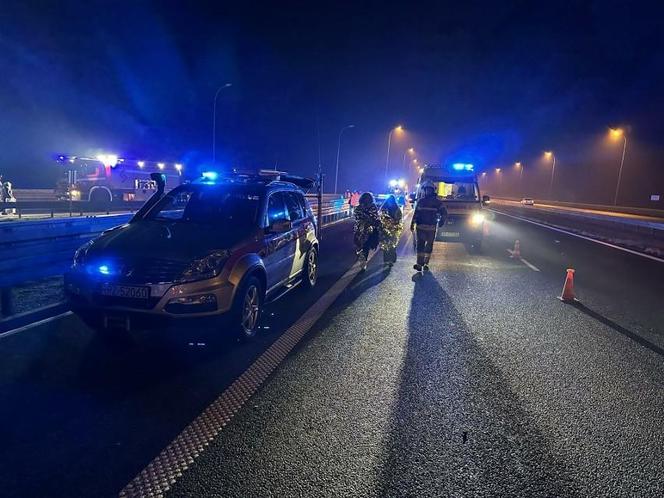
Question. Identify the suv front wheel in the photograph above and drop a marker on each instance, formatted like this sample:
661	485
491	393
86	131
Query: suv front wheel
248	308
311	268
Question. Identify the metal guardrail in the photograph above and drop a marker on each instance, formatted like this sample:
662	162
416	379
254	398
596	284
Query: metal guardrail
39	249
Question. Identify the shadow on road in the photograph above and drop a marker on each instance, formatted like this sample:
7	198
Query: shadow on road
619	328
457	428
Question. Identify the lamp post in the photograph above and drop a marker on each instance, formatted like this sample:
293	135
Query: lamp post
214	120
550	154
336	172
519	166
617	133
409	150
389	141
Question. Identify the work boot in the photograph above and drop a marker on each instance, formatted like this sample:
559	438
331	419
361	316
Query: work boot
425	267
417	267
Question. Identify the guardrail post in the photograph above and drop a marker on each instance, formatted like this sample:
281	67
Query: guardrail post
320	204
6	305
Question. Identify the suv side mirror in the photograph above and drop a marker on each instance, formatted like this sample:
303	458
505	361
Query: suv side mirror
486	200
280	226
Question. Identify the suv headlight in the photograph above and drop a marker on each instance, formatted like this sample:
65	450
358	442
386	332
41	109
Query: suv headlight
207	267
476	219
81	252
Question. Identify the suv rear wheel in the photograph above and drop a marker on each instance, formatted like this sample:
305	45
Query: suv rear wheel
311	268
248	308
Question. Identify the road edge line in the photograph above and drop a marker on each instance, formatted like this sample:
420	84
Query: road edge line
597	241
34	324
169	465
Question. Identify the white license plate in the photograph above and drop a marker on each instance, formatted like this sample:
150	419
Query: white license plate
128	291
449	234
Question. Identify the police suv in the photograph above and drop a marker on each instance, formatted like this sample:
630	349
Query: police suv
217	246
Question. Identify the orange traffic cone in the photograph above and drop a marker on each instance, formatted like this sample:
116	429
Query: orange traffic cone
568	289
516	252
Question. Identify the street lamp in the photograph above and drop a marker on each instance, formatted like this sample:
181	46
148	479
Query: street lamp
214	120
616	134
398	128
550	155
519	166
407	151
336	173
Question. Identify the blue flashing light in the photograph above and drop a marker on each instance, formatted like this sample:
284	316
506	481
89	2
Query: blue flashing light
210	176
458	166
469	167
104	270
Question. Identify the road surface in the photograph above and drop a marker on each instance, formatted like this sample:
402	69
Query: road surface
472	380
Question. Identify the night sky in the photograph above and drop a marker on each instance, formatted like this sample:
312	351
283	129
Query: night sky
484	82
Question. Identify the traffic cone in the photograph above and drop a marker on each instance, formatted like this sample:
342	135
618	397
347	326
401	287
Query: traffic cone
568	288
516	252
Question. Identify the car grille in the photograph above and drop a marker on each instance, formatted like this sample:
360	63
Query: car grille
154	271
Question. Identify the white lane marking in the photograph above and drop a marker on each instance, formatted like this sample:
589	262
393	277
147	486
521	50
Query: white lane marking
167	467
34	324
566	232
529	265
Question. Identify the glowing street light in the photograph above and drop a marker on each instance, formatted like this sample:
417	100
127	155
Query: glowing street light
336	172
160	165
519	166
140	163
178	168
398	129
497	170
410	151
550	155
617	134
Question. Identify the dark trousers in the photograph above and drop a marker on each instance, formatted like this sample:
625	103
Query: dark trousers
425	238
390	255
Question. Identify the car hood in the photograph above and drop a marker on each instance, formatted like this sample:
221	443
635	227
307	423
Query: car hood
162	240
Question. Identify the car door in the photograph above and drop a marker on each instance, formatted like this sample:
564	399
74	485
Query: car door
279	249
299	241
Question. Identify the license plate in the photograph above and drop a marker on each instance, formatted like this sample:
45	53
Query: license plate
449	234
128	291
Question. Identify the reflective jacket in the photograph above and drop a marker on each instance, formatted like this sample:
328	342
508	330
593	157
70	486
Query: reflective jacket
429	212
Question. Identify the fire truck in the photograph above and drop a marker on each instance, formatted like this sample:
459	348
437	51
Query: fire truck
107	178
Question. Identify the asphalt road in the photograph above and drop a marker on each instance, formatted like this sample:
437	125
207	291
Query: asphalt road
472	380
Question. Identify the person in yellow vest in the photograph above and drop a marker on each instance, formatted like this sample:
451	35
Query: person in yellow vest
429	212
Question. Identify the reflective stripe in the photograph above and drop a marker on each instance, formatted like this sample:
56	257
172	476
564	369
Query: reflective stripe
421	208
428	228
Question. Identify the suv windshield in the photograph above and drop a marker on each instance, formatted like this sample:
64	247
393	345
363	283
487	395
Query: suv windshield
226	206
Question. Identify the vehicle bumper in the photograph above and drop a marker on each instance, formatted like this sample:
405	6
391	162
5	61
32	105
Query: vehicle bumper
167	302
460	229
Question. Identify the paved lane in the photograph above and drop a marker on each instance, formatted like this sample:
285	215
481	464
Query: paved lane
80	418
473	380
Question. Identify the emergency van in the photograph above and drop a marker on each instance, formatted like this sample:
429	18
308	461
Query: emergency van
457	186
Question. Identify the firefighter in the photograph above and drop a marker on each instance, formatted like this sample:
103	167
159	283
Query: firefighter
429	212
